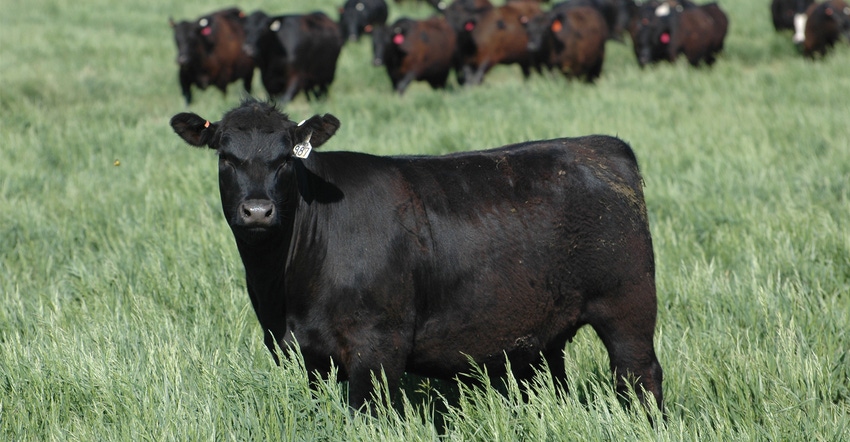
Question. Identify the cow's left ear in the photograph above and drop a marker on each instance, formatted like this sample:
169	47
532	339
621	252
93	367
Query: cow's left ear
316	129
193	129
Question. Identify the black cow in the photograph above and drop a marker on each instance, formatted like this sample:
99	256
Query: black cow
822	26
651	31
783	12
294	52
209	52
571	40
358	17
459	12
415	50
421	264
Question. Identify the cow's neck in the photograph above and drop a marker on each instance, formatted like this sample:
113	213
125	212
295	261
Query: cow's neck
264	263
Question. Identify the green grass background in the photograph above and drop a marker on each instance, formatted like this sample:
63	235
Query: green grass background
123	312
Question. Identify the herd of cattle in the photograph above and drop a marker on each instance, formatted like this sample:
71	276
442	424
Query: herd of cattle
298	52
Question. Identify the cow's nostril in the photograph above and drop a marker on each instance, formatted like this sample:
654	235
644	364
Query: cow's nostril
257	213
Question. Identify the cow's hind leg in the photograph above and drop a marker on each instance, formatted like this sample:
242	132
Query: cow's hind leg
626	325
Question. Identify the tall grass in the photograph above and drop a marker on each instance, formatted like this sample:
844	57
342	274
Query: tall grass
123	313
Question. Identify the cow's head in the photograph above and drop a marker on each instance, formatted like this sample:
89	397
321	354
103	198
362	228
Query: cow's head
540	27
357	17
259	152
257	27
186	37
651	32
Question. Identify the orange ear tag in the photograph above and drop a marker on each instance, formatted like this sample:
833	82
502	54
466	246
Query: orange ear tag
207	124
557	26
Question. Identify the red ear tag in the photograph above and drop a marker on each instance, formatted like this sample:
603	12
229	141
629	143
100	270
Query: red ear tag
665	38
207	124
469	26
398	39
828	11
557	26
206	31
368	29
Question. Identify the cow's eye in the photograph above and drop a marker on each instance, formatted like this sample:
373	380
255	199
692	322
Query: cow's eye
281	165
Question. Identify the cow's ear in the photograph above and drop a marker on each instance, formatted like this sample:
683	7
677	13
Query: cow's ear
316	129
193	129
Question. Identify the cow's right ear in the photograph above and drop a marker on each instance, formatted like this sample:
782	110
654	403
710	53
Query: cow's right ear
193	129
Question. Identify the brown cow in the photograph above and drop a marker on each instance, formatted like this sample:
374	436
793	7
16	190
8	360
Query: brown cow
823	25
497	36
703	33
571	40
209	52
699	32
415	50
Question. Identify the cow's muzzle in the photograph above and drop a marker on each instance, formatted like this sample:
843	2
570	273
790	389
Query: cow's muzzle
256	214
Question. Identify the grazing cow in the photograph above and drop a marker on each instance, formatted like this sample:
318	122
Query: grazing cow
822	26
421	264
783	12
571	40
663	31
496	36
294	52
209	52
415	50
358	17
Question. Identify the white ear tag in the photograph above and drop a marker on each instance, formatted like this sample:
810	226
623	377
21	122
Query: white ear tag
302	149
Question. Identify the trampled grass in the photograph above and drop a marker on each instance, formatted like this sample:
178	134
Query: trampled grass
123	313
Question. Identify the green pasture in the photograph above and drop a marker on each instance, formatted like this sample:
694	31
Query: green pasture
123	312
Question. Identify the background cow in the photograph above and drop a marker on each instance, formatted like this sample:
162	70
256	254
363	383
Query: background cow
571	40
294	52
495	36
617	13
358	17
415	50
392	264
823	25
651	35
783	11
700	33
209	52
662	31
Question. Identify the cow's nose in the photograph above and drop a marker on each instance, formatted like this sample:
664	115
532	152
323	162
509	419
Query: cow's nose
256	213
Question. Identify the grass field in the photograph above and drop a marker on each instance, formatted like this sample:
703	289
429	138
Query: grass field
123	312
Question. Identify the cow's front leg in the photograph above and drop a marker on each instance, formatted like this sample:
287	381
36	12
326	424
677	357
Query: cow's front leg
384	357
